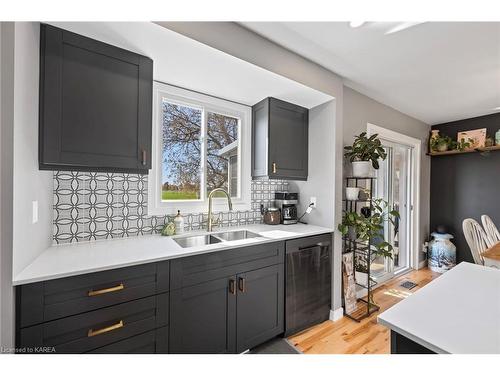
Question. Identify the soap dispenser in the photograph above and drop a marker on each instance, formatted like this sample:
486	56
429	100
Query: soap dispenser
179	223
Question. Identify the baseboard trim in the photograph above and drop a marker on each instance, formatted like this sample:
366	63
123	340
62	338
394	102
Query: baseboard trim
336	314
422	264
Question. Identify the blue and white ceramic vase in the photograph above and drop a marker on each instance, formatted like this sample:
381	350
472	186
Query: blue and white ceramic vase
442	254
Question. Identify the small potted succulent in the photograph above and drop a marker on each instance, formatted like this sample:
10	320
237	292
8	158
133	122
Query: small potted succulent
364	154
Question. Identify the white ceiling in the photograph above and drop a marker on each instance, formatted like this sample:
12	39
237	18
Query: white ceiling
184	62
435	71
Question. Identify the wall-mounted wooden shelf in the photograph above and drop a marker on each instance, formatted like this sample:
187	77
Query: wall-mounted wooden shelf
453	152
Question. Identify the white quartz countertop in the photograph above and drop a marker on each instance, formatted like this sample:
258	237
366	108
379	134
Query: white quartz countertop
458	313
91	256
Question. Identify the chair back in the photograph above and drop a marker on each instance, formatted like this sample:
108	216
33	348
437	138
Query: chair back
476	239
491	230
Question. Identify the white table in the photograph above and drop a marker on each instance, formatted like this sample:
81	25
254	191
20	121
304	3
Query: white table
459	312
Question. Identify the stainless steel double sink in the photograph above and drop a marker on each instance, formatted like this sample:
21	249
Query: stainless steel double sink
208	239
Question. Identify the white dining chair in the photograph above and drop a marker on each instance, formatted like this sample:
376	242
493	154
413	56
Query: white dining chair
491	230
476	239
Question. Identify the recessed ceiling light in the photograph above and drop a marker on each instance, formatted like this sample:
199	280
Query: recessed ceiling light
355	24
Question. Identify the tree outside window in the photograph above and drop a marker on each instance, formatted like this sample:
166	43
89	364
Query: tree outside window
187	142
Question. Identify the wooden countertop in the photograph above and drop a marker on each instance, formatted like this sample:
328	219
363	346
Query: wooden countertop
493	252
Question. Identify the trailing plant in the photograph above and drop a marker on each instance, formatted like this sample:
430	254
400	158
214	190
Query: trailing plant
366	149
371	228
463	144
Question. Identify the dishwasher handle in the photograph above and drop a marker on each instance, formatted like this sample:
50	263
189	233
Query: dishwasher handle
308	247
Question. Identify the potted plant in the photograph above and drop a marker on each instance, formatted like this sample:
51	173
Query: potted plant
442	143
364	152
370	229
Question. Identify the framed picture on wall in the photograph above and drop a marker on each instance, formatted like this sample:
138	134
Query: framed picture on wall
477	137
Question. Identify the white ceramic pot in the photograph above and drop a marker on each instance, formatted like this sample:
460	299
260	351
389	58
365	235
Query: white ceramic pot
352	193
361	168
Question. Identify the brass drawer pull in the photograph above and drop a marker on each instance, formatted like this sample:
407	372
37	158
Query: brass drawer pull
92	293
274	168
105	329
232	286
242	284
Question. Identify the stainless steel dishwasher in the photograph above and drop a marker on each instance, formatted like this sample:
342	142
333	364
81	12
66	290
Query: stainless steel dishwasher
308	282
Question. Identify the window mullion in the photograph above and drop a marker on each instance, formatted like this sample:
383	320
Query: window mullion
203	167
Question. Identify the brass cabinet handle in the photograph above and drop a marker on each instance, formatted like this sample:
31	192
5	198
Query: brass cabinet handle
242	284
232	286
105	329
92	293
274	167
144	157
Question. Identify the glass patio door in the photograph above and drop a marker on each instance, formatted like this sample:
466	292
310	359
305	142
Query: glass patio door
393	185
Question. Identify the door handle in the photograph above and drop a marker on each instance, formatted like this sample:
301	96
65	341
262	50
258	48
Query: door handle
242	284
110	328
232	286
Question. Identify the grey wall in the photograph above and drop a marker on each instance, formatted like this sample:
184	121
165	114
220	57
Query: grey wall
360	110
30	184
6	171
467	185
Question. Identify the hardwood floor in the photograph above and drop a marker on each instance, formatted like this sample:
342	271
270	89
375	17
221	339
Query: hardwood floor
346	336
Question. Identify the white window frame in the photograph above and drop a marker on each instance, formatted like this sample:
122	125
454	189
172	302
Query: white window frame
177	95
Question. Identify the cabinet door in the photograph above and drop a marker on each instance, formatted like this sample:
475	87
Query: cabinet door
288	140
203	317
95	105
259	311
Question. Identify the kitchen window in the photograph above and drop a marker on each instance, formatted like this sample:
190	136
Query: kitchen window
200	143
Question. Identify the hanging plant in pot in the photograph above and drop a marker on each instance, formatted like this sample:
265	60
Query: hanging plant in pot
364	154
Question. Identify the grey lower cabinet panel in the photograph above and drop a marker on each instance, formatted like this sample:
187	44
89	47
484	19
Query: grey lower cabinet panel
89	331
151	342
203	319
259	306
228	315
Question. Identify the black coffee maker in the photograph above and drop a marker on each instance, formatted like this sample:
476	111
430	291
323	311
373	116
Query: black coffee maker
287	204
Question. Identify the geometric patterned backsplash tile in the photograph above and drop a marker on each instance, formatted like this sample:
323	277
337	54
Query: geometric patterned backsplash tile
90	206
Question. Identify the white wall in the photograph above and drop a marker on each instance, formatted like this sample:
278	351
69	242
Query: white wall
30	184
6	171
359	110
321	158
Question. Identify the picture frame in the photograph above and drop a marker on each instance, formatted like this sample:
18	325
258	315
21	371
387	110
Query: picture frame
476	137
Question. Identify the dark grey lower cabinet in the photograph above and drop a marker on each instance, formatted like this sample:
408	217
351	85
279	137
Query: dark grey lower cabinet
203	319
228	315
259	306
152	342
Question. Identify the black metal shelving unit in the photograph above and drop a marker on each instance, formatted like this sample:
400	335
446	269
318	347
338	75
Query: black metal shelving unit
360	248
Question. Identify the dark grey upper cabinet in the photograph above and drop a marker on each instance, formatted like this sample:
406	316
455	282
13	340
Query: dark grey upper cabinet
95	105
279	140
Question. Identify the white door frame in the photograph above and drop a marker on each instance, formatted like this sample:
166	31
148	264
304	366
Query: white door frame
416	144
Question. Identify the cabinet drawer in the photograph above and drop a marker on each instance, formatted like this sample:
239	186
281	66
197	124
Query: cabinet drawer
146	343
55	299
85	332
197	269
